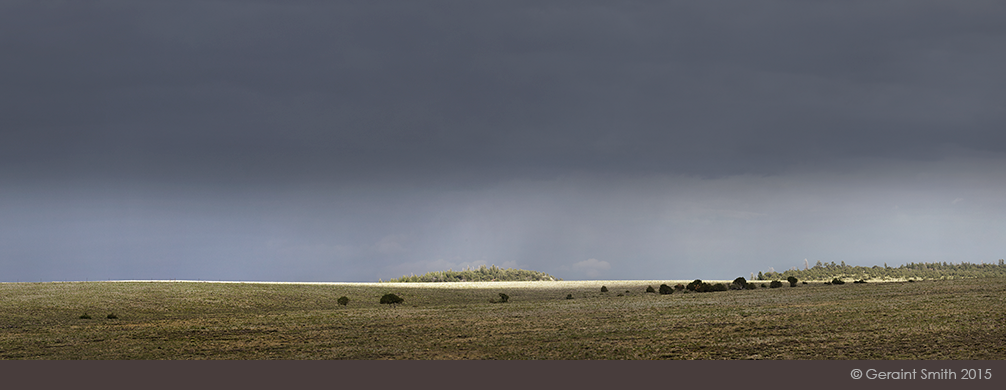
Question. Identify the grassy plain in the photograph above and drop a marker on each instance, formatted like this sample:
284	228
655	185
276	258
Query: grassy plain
949	319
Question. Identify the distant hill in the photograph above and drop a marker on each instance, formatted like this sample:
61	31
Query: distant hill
481	274
827	271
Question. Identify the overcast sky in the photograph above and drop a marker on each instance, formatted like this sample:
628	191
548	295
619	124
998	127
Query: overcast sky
357	141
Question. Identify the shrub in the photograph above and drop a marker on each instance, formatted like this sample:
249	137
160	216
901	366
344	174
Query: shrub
620	295
665	289
694	285
751	286
679	287
860	281
792	281
740	282
911	280
343	301
837	281
569	296
775	284
111	316
803	282
763	285
718	287
85	316
604	289
504	298
391	299
650	289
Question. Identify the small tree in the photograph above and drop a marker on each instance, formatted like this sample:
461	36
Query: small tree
604	289
665	289
775	284
792	281
650	289
391	299
343	301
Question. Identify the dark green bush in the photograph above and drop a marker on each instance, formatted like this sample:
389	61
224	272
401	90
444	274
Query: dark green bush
650	289
763	285
111	316
665	289
694	285
792	281
569	296
85	316
391	299
837	281
751	286
775	284
604	289
679	287
741	282
718	287
860	281
504	298
343	301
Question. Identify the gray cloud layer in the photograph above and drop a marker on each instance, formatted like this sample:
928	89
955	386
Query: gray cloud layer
351	141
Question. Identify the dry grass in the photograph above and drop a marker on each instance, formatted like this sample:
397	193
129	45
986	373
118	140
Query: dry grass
961	319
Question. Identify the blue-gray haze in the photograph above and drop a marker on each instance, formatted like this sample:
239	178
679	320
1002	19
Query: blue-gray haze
360	140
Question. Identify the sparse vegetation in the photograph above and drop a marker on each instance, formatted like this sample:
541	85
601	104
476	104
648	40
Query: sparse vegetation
941	320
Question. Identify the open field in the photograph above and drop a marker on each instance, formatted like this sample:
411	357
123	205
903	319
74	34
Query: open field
949	319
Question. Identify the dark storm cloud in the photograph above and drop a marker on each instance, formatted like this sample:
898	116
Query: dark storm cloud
268	91
303	140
